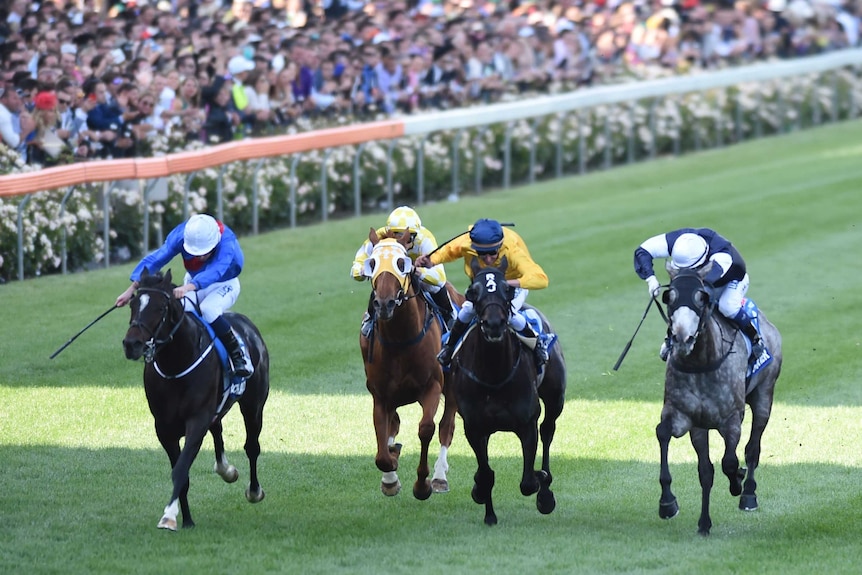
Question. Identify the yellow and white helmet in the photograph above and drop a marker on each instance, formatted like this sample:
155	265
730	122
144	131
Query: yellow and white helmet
403	219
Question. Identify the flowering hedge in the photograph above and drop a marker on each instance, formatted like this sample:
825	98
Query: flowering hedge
612	135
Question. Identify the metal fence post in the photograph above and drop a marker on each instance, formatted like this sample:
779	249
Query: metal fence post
63	240
21	205
357	180
294	160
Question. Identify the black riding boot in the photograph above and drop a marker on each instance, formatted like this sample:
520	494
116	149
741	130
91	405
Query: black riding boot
239	358
744	323
441	298
459	328
541	349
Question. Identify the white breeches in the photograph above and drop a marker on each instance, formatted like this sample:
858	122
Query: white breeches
732	296
213	300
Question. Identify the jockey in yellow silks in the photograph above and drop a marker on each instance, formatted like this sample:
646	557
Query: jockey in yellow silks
488	242
432	279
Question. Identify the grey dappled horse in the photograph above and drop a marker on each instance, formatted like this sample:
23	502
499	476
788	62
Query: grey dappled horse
706	388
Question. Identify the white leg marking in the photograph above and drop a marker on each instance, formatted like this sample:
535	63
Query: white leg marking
390	477
441	468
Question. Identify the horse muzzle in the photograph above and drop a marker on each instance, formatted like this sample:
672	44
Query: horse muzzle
134	348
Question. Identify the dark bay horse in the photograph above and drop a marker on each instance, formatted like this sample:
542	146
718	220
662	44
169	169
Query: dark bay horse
706	388
401	366
183	381
496	387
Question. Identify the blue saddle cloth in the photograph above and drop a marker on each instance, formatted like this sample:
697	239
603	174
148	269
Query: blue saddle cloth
233	386
758	363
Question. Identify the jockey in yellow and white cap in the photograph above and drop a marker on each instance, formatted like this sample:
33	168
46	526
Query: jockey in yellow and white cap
405	220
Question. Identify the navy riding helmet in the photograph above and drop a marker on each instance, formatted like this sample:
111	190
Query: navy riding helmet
486	235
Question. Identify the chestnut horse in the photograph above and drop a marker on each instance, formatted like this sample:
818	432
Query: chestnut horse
184	384
401	367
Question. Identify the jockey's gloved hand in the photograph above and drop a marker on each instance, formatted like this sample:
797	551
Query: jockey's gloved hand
653	286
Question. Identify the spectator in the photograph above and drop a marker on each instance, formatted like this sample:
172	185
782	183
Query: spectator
221	119
257	95
187	114
282	100
46	146
16	123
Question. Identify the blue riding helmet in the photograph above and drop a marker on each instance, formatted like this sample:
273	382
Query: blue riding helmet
486	235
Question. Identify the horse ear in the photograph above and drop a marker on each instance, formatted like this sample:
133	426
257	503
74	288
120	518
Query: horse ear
472	293
504	264
168	277
702	272
373	237
145	273
474	266
671	270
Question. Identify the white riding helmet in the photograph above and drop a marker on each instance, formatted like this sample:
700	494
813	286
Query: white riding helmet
689	251
202	235
403	219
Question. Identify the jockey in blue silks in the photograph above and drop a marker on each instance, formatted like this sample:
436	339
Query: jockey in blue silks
213	261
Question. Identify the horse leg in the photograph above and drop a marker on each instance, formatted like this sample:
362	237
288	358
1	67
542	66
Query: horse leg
761	411
429	402
731	432
529	436
195	432
545	501
446	431
483	480
667	505
252	416
387	450
225	470
706	472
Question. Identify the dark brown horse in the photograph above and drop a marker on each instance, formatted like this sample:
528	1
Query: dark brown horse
183	381
497	388
401	366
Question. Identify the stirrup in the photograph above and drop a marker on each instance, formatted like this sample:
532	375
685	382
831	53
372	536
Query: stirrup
444	358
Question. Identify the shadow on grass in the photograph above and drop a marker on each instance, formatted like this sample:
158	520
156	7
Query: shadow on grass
326	513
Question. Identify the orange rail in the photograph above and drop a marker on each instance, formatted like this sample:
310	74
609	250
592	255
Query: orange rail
183	162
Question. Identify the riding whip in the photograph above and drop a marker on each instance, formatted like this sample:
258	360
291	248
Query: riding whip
89	325
629	344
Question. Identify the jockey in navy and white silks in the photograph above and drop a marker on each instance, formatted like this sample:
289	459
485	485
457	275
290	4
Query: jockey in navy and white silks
405	220
213	261
693	248
488	243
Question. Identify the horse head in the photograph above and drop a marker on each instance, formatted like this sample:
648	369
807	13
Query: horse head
491	296
689	304
151	316
390	269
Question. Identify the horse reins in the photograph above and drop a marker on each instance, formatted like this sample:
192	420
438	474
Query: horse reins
154	344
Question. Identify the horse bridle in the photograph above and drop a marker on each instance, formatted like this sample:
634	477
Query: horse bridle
706	312
507	309
153	344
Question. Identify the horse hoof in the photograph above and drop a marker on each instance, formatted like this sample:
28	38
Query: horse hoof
254	497
546	502
167	523
668	510
395	450
440	486
490	519
748	502
422	491
230	474
390	489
